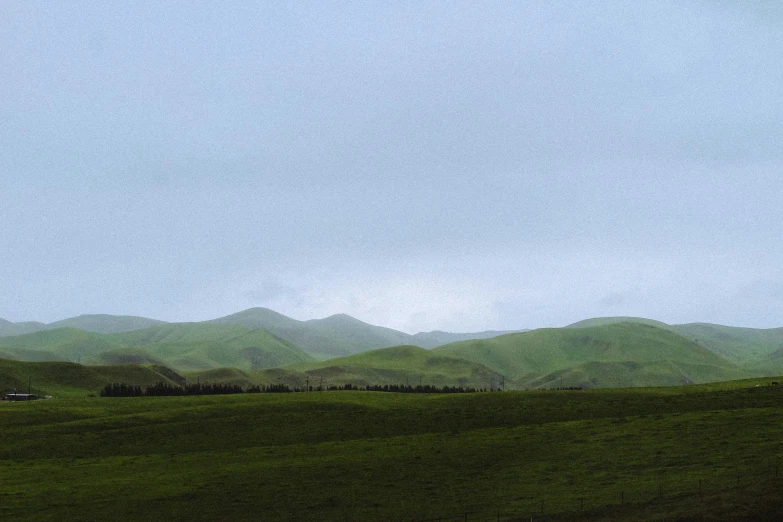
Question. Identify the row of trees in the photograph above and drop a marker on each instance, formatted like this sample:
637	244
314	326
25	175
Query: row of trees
167	390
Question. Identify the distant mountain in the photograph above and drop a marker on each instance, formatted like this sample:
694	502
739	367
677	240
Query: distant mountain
438	338
97	323
533	355
106	324
744	346
183	346
8	328
61	344
338	335
603	321
740	345
332	336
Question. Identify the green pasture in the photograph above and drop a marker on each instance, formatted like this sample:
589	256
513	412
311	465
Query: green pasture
381	456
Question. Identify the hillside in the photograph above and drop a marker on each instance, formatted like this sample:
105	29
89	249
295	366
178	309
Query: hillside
106	324
396	365
437	338
62	379
740	345
744	346
61	344
7	328
604	321
338	335
529	356
332	336
96	323
685	453
184	346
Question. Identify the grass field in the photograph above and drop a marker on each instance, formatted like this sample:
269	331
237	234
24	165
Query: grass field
381	456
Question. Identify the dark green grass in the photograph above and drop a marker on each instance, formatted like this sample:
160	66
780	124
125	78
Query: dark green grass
376	456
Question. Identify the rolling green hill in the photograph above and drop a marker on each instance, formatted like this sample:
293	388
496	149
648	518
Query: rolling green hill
333	336
340	334
329	337
184	346
604	321
396	365
103	323
533	355
96	323
708	453
64	379
199	346
744	346
68	344
740	345
8	328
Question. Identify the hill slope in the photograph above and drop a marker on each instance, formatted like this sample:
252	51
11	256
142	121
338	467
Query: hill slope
405	364
340	334
532	355
744	346
184	346
70	379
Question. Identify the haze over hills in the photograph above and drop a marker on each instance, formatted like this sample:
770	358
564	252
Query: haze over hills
332	336
340	334
608	351
183	346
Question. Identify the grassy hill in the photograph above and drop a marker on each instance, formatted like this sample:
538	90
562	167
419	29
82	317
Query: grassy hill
8	328
184	346
744	346
632	374
437	338
685	453
96	323
740	345
396	365
198	346
340	334
64	379
68	344
103	323
333	336
604	321
533	355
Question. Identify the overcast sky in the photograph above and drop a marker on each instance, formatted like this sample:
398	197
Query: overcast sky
419	165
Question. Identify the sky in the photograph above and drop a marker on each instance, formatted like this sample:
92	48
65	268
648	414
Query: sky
420	165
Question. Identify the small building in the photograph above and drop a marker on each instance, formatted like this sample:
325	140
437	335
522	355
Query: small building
18	396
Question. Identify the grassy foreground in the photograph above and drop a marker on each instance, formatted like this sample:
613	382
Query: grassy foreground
700	452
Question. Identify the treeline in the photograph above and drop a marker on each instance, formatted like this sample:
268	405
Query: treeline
168	390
